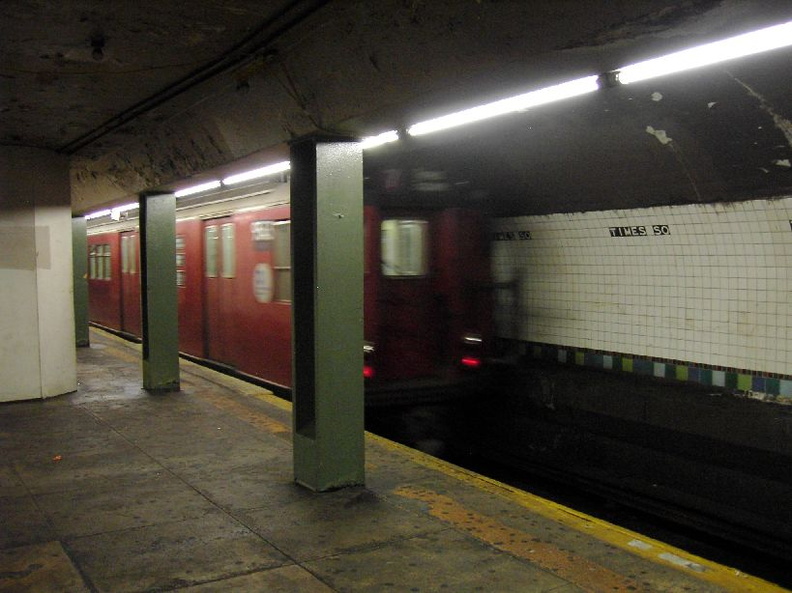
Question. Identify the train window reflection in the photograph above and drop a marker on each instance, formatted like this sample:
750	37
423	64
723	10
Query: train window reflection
404	248
229	251
282	260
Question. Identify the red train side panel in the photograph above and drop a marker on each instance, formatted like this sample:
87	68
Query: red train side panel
104	282
130	282
262	341
189	282
219	281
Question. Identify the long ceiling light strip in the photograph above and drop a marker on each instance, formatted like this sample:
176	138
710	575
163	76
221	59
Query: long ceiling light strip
379	139
257	173
566	90
196	189
760	41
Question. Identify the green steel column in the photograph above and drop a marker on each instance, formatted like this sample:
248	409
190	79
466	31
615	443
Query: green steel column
327	312
158	292
80	271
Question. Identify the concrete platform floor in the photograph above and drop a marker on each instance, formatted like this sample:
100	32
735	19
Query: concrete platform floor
115	490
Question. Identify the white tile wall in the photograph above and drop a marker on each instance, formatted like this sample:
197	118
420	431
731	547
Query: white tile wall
717	290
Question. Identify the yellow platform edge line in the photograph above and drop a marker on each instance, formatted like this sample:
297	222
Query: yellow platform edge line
728	578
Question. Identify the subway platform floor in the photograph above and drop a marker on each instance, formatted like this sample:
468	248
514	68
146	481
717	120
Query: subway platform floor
115	490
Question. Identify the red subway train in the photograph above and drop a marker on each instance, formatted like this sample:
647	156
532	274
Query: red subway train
426	304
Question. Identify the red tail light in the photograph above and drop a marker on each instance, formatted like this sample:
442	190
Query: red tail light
470	362
368	372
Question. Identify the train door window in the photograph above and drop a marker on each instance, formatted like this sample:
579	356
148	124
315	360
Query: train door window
210	236
132	252
404	248
128	254
282	260
181	262
92	262
229	250
106	275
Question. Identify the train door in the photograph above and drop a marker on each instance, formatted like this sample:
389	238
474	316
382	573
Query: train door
130	283
219	274
410	312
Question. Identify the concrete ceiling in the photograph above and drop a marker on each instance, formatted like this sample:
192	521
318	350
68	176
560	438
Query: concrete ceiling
150	94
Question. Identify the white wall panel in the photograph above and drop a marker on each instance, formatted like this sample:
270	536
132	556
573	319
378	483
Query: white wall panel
708	284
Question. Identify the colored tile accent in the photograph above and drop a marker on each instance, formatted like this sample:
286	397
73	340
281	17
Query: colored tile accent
681	372
593	360
744	382
758	384
773	386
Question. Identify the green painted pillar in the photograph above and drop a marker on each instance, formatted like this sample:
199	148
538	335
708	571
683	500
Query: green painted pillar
80	284
327	312
159	304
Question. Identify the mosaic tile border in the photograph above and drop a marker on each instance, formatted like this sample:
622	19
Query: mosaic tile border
770	386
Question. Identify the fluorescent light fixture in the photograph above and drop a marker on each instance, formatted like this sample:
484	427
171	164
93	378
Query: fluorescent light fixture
711	53
379	139
566	90
257	173
97	214
196	189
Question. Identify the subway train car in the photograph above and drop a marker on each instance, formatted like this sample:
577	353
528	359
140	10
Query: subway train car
426	302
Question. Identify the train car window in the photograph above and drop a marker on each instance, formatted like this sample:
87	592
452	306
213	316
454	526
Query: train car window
125	254
132	248
181	261
229	250
92	262
210	236
404	248
282	260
